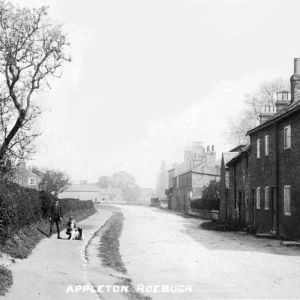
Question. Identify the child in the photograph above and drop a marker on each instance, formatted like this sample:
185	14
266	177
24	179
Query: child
74	232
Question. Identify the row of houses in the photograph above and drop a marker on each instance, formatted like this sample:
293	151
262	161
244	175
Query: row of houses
260	182
92	191
83	190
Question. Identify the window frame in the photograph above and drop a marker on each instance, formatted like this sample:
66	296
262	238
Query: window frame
267	197
31	181
287	205
267	145
258	198
287	137
258	148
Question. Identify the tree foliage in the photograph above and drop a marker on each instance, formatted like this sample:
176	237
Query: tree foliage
103	182
125	182
32	50
53	181
210	197
265	95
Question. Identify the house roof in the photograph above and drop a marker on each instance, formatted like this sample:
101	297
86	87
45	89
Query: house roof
237	148
199	169
27	173
285	112
228	156
92	187
235	158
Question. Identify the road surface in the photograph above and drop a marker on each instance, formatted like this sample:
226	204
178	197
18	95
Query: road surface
166	255
162	248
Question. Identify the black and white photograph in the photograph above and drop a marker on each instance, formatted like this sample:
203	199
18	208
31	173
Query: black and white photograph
149	149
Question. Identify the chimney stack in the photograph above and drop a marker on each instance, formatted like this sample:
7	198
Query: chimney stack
266	112
295	81
208	148
283	99
213	148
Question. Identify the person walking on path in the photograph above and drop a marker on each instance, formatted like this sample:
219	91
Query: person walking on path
55	216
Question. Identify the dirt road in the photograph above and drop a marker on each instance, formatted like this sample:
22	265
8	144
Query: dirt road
162	248
167	256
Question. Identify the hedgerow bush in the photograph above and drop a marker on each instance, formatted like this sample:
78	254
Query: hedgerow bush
21	207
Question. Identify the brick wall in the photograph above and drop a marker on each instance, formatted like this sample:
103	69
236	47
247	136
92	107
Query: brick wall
264	173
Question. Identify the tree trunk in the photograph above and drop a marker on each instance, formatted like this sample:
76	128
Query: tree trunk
13	132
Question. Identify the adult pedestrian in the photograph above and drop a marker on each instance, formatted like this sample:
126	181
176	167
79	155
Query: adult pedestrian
55	216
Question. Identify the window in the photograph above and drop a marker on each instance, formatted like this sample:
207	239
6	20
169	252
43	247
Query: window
267	197
258	148
31	181
267	146
287	137
258	198
287	199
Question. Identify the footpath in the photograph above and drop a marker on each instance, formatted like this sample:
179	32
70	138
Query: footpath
56	264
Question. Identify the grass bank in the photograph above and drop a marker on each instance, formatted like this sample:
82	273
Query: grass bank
110	254
24	241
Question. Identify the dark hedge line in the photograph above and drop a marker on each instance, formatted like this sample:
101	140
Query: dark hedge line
205	204
21	207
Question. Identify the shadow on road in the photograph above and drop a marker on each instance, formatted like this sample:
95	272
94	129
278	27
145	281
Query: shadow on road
235	241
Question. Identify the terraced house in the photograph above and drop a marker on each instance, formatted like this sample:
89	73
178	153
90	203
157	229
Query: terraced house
274	165
188	179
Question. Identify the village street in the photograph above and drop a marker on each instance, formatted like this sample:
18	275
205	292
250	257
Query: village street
162	248
161	251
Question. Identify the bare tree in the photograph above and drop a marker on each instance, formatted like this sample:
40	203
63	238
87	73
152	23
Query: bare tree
265	95
52	181
32	49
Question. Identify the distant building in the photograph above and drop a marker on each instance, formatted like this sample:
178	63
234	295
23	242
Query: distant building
196	155
162	181
186	181
25	177
93	192
145	196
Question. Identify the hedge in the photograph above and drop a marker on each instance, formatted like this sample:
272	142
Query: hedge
20	207
205	204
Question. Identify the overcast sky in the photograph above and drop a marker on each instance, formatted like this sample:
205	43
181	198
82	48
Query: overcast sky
149	76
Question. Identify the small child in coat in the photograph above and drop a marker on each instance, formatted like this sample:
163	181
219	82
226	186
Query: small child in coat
74	232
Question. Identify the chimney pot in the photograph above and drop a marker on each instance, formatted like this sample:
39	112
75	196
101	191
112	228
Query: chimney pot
297	66
295	81
213	148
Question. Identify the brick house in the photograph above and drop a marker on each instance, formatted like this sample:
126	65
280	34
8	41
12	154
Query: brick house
190	184
239	204
224	184
274	165
187	180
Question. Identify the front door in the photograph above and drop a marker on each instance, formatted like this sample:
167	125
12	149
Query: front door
274	210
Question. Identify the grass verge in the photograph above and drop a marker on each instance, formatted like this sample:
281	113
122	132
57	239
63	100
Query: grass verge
22	243
110	254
